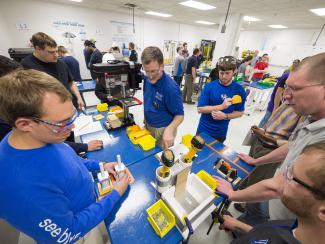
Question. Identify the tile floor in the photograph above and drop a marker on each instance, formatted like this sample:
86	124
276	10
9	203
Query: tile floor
236	134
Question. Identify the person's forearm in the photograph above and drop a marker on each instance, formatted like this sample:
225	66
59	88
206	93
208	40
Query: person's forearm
261	191
245	228
193	73
209	109
275	156
235	115
75	91
178	119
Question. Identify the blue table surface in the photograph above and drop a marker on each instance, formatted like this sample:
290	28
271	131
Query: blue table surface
86	85
128	221
256	85
116	142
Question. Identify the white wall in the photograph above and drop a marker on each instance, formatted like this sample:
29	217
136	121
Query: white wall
39	16
5	38
283	46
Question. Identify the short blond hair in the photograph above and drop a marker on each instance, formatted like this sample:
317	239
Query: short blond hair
22	93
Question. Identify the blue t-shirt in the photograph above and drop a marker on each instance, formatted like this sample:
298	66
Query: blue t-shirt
213	94
192	62
95	58
73	65
48	193
162	101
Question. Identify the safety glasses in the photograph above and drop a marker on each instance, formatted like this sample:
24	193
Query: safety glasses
290	177
58	127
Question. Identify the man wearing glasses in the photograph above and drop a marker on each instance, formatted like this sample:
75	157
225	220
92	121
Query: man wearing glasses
48	193
163	107
305	93
301	189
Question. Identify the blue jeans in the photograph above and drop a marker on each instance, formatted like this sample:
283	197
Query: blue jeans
265	119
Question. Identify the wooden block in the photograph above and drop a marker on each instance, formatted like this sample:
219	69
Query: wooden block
181	180
114	121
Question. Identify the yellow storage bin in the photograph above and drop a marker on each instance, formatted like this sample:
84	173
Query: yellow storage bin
147	142
134	136
161	218
119	112
186	140
207	179
132	128
102	107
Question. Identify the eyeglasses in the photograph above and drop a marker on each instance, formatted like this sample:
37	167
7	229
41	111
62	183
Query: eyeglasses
60	126
290	177
291	90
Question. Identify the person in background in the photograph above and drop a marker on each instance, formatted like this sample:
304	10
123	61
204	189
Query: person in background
215	102
245	69
117	53
95	58
255	58
260	68
87	53
185	48
45	58
52	198
301	190
163	107
190	76
71	62
294	64
214	74
200	59
179	66
8	65
133	54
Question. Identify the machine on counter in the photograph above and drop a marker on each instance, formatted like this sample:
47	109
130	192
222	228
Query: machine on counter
127	76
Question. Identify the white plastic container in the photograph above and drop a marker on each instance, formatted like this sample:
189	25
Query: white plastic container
196	203
162	183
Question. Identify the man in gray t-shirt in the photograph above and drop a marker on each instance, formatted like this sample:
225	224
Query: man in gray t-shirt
179	66
304	91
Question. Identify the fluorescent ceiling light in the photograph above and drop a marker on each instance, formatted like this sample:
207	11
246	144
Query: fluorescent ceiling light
197	5
158	14
249	18
278	26
318	11
78	1
203	22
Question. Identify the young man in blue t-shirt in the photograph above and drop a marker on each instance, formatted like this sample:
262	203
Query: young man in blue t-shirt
47	191
163	107
215	102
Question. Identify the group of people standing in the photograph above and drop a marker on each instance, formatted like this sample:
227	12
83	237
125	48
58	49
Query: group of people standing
62	205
